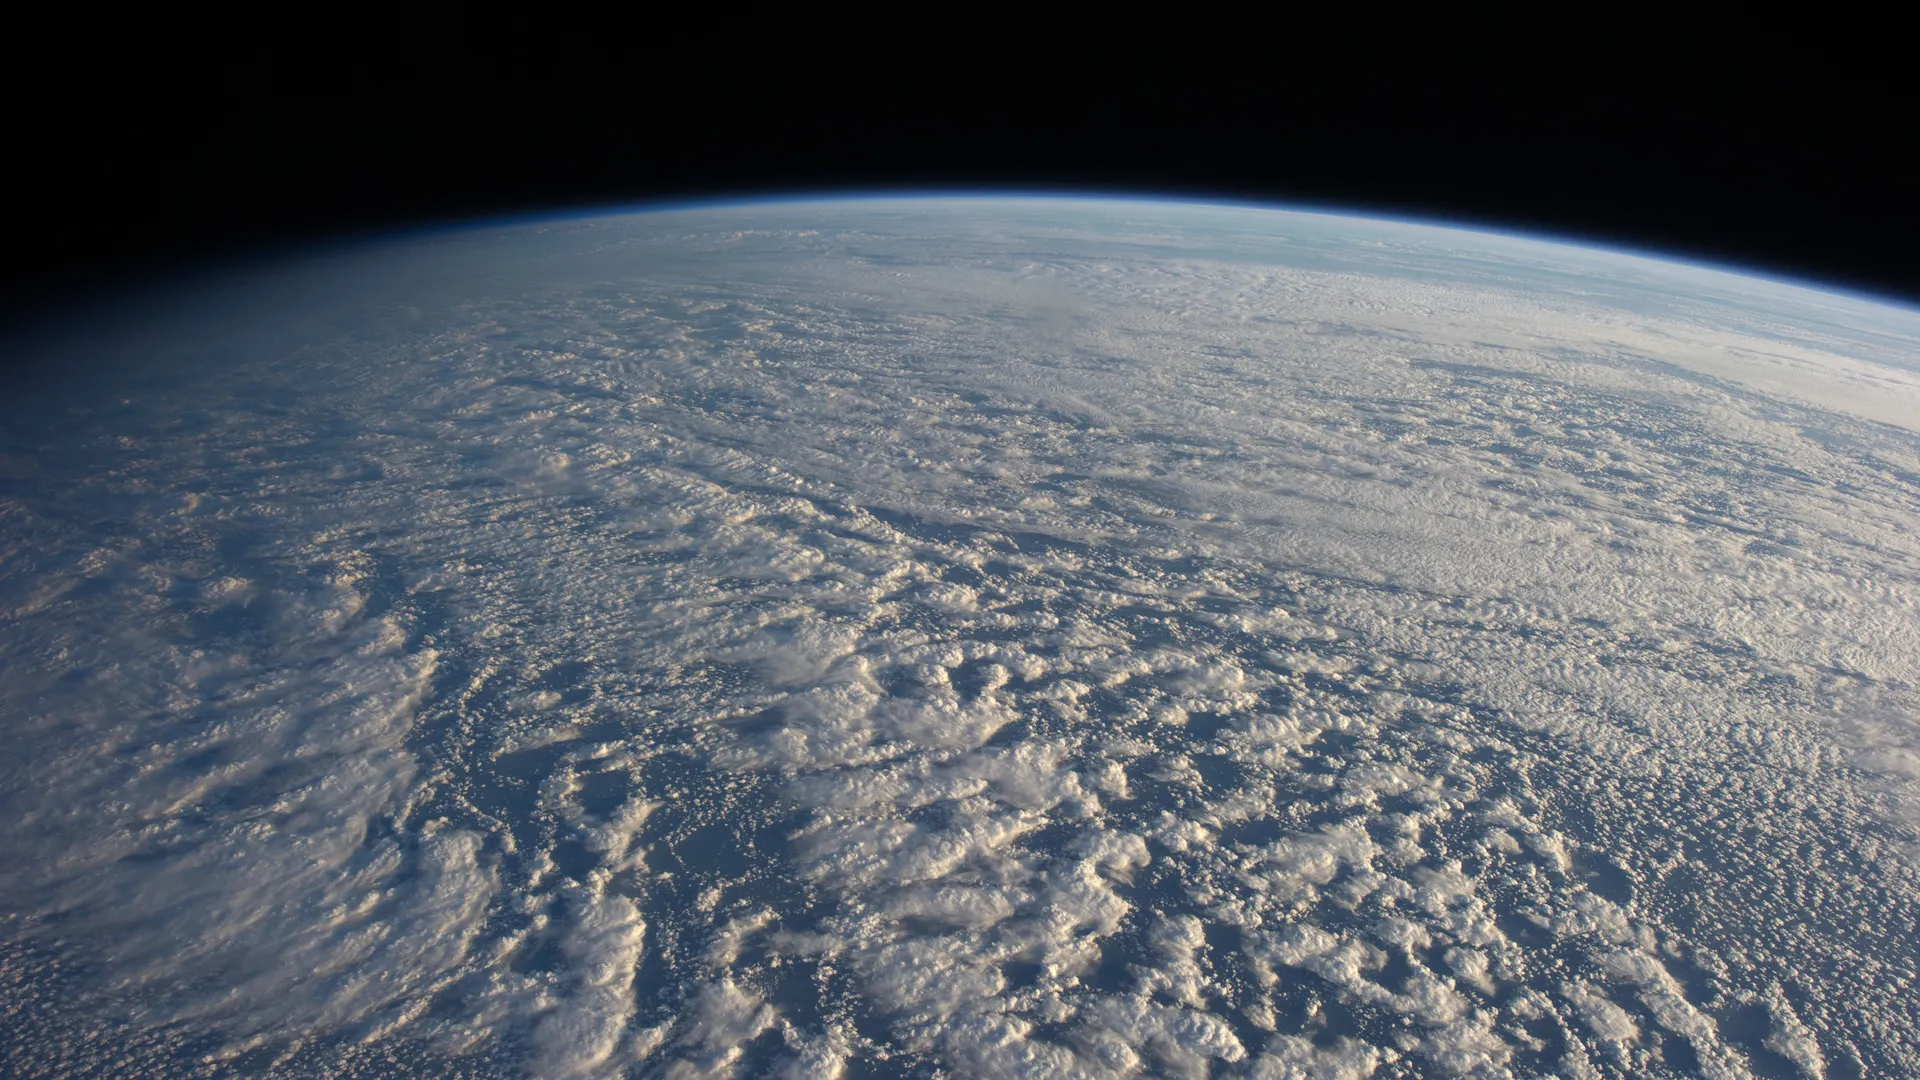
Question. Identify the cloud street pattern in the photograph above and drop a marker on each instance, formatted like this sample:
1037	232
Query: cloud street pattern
985	638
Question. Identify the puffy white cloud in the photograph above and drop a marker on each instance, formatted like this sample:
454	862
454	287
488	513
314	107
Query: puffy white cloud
1290	1057
1609	1022
602	948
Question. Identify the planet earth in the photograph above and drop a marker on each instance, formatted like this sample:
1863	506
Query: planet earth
963	637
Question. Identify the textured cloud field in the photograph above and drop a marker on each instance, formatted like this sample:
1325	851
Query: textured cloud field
970	638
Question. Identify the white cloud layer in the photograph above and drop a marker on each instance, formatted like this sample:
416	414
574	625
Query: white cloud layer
1012	638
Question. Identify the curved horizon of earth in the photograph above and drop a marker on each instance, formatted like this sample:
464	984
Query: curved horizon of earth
964	637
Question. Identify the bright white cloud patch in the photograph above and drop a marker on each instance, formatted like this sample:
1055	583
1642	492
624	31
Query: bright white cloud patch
995	638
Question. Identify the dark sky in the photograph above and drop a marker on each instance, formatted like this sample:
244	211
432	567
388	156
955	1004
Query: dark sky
191	158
